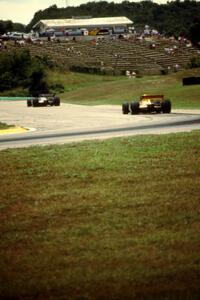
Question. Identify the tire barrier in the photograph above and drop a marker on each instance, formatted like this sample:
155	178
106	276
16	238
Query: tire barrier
191	80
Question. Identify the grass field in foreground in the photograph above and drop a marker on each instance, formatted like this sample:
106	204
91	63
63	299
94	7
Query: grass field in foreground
96	89
114	219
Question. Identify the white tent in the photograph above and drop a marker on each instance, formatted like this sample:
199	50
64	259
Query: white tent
58	24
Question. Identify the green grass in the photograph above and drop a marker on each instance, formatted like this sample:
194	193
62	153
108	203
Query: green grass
95	89
5	126
114	219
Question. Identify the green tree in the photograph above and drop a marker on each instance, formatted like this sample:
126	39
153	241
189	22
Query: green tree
8	26
18	69
194	33
2	27
6	81
38	83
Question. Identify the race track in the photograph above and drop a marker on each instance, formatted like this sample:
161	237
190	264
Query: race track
70	123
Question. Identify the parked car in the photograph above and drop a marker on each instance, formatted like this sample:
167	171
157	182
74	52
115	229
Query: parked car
16	35
119	30
73	32
4	37
103	31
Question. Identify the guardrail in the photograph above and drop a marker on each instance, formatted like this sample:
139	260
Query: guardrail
7	98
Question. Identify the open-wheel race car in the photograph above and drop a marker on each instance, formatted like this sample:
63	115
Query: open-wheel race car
44	100
148	104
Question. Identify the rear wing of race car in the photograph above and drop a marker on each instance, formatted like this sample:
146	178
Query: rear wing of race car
153	97
46	95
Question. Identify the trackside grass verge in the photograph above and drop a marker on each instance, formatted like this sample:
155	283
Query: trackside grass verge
5	126
114	219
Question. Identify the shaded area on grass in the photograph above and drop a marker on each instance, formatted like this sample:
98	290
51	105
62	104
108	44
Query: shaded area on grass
115	219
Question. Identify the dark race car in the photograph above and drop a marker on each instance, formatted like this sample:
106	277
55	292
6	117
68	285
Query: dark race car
44	100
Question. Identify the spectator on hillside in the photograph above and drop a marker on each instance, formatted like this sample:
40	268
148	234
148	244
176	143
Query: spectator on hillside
128	74
5	44
94	42
146	31
79	53
152	46
176	67
113	37
188	45
154	32
133	74
169	51
21	43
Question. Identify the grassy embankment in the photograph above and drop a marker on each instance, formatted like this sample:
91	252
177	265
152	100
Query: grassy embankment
115	219
95	90
90	89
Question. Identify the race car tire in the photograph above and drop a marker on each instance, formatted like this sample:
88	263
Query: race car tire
135	107
125	108
57	101
35	102
29	103
166	106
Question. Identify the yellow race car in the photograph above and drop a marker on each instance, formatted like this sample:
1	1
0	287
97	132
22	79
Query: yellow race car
148	104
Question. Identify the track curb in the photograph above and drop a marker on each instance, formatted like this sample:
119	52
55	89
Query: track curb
13	130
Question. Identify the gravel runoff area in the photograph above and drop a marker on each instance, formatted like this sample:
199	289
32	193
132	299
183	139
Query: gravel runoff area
78	117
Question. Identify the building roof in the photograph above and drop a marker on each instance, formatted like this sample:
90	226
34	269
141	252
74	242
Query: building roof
107	21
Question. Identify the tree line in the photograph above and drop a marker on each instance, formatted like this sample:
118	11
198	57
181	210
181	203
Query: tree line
9	26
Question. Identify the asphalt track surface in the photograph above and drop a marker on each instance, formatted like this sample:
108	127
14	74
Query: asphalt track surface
74	123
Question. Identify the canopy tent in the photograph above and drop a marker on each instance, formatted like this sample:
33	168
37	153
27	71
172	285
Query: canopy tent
72	23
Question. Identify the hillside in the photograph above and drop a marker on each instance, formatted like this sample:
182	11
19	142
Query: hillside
115	57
